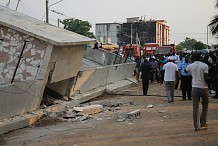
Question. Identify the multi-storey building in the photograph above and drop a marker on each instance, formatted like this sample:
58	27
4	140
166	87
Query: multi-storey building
134	31
162	32
108	33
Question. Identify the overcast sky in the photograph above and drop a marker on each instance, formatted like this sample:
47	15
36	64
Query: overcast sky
187	18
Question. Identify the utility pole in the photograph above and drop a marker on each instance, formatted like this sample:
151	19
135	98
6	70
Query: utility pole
47	20
58	22
47	9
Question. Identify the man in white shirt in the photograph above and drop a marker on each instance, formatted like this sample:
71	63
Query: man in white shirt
199	72
175	57
171	71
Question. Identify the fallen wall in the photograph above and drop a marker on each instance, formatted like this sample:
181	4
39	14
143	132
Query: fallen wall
65	62
100	77
103	57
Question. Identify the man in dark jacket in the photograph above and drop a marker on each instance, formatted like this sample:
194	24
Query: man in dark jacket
145	76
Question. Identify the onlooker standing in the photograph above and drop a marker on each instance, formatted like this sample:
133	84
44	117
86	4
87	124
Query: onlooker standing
162	61
171	71
199	72
186	78
154	70
176	59
145	76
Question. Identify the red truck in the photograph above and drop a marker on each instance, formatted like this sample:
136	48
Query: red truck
150	48
131	50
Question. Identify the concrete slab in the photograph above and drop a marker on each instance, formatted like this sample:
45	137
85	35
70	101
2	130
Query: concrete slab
89	110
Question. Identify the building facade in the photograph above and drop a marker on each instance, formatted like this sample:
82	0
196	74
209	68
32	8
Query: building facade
108	33
134	31
141	32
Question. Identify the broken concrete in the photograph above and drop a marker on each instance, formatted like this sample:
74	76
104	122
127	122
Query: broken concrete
136	114
150	106
120	116
89	110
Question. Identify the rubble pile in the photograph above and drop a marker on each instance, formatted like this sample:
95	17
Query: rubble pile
99	110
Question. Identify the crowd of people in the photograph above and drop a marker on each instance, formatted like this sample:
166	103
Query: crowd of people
195	74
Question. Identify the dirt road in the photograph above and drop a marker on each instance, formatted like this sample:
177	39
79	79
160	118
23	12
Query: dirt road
166	124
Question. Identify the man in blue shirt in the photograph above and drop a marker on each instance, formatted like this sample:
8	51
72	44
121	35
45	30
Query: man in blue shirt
186	78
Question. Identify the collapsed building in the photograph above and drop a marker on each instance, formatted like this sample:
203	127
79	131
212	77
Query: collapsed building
35	56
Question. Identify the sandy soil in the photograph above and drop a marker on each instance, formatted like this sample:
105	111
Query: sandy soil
166	124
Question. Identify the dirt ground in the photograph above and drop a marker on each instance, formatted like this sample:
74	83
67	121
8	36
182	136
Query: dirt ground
166	124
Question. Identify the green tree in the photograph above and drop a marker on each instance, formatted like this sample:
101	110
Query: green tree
200	46
214	23
78	26
179	47
189	43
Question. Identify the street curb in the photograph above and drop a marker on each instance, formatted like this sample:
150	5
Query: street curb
20	123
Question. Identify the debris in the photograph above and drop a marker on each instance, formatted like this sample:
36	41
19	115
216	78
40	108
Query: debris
85	117
99	119
57	101
161	111
43	106
120	117
107	103
51	115
150	106
112	103
69	114
136	114
131	103
92	109
74	120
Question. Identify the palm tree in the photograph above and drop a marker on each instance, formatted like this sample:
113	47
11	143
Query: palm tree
214	23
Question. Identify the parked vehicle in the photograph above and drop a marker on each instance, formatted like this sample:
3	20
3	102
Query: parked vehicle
166	49
150	48
131	50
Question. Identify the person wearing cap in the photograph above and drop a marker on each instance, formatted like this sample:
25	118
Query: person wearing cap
170	74
200	91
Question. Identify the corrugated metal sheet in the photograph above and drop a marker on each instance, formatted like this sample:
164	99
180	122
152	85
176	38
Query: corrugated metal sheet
38	29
